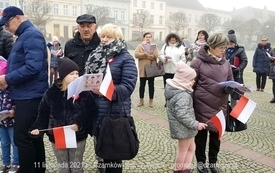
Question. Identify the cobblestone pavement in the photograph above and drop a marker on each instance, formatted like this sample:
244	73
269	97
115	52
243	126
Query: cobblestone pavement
157	149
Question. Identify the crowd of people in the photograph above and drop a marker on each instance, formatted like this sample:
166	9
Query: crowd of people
34	79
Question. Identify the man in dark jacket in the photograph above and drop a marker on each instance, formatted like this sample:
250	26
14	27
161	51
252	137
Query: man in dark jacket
6	42
27	78
84	42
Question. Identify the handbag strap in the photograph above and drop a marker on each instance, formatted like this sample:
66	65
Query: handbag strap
119	98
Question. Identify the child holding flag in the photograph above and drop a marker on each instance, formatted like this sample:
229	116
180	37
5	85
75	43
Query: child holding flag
180	112
56	110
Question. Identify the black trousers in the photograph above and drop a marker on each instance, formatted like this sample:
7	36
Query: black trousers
261	80
167	76
113	166
273	87
214	146
151	86
31	150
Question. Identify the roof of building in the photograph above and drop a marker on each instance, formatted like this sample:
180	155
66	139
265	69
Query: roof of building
187	4
251	13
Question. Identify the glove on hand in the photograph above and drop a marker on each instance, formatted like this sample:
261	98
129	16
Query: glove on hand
228	90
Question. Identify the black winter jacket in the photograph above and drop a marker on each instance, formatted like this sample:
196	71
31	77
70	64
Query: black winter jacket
239	51
6	42
55	110
76	50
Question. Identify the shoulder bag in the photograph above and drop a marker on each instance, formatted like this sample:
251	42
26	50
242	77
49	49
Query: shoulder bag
117	139
154	70
232	124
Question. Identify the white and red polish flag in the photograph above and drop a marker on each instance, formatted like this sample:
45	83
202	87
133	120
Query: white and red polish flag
243	109
64	137
107	87
219	122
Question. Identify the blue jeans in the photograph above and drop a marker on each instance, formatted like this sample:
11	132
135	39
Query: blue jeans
6	143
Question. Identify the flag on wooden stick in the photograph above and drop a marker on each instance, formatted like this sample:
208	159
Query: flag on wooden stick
64	137
219	122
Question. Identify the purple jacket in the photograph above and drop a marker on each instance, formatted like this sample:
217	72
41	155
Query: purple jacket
209	97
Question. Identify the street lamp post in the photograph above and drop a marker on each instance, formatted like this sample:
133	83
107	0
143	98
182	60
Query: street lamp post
21	3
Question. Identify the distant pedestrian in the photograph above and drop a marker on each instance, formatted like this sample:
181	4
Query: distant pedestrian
56	53
272	72
261	63
200	41
182	122
146	57
170	54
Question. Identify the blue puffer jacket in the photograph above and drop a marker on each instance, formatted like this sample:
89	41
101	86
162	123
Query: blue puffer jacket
260	59
27	64
124	74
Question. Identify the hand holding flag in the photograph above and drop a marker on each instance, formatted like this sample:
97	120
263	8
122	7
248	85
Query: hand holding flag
219	122
243	109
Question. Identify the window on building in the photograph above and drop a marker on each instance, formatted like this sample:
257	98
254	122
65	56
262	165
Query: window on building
161	6
196	18
143	4
190	17
55	9
152	5
115	14
135	3
75	11
152	19
4	4
122	15
65	10
160	20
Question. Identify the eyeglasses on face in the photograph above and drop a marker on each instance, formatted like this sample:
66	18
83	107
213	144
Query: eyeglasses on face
264	40
7	24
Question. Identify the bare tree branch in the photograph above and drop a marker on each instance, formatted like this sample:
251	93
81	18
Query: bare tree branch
235	24
209	21
177	21
101	14
142	19
251	27
37	11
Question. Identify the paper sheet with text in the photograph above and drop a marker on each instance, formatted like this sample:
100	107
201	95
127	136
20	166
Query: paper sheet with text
87	82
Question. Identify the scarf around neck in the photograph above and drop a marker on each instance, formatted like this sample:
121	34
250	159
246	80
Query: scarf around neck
97	60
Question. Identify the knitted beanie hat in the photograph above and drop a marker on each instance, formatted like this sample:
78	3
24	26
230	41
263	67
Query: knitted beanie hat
183	77
54	38
231	36
66	66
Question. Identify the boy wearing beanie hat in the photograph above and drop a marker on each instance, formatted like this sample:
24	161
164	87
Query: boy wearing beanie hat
56	110
182	123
